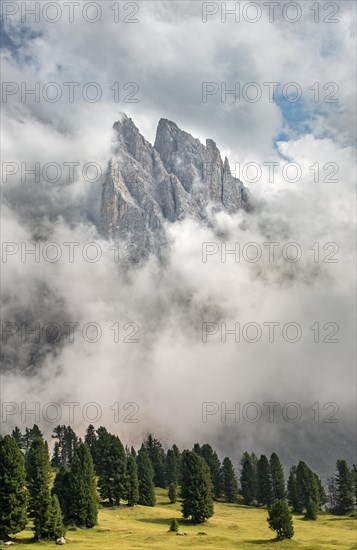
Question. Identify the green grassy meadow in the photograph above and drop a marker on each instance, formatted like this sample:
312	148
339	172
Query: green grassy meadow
232	526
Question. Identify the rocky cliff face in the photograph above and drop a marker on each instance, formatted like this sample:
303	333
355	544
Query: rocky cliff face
146	186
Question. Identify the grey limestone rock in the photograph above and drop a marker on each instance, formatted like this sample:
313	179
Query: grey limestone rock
146	186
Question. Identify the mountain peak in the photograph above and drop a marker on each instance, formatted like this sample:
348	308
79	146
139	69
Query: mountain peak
165	122
176	178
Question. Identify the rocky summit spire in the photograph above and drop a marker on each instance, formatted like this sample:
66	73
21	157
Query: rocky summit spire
146	186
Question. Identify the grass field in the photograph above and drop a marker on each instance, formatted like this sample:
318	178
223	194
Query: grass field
232	526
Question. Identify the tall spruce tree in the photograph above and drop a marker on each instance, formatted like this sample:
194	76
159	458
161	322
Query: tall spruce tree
332	494
13	493
277	477
177	453
146	479
56	456
311	509
214	464
38	470
47	522
230	484
307	488
61	489
56	526
264	484
38	475
158	459
313	502
172	494
172	467
354	480
110	467
101	449
91	440
248	477
196	488
197	449
321	492
29	437
67	442
82	489
133	481
293	496
345	489
19	438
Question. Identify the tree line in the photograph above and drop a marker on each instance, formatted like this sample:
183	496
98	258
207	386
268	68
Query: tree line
65	488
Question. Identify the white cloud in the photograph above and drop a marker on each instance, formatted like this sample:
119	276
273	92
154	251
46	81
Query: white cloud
170	372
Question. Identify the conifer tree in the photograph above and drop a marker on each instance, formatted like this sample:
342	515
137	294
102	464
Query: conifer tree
29	437
230	484
133	481
56	456
19	438
248	477
146	479
264	483
196	488
197	449
157	457
13	493
91	439
172	467
302	485
293	498
172	494
177	454
354	481
321	492
345	489
277	477
174	527
67	442
82	489
48	520
280	520
38	474
56	527
311	509
307	488
101	449
61	489
332	496
214	464
110	467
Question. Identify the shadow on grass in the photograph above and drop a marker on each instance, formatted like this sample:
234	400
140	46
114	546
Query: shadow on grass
106	505
264	541
167	521
341	518
322	517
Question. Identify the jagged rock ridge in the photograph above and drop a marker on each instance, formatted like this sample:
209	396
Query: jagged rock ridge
146	186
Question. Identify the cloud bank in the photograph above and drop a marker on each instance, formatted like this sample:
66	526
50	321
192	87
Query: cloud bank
169	372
